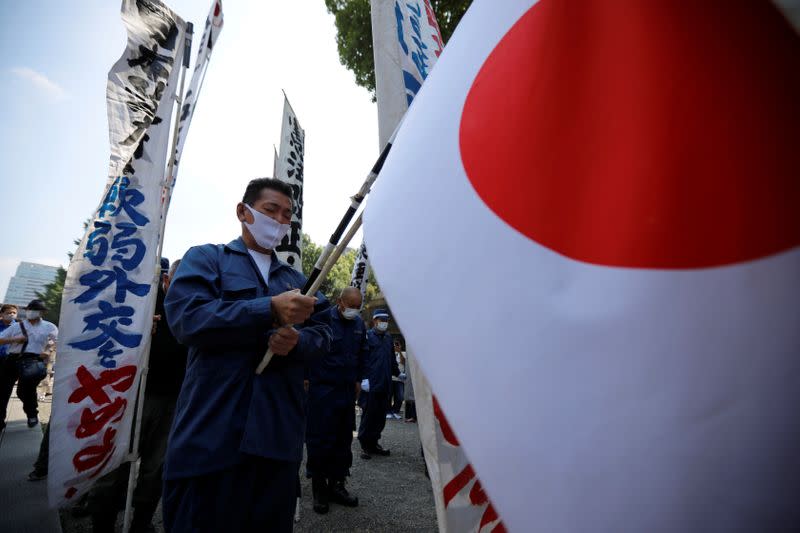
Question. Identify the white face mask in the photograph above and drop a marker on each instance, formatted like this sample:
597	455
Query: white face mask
349	313
267	231
10	317
382	326
32	315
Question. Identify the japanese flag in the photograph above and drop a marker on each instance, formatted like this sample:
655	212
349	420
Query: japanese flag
609	308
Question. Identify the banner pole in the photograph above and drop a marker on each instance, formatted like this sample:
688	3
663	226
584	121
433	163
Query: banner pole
320	279
355	201
329	249
133	457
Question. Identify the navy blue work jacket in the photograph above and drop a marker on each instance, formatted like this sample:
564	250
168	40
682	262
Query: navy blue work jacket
344	363
219	306
381	362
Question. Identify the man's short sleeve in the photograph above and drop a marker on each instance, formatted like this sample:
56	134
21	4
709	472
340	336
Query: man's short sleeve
11	331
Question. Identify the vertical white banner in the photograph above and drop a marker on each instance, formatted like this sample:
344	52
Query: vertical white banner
406	43
211	31
289	169
109	293
360	274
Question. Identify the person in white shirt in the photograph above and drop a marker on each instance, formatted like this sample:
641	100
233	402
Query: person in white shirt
27	339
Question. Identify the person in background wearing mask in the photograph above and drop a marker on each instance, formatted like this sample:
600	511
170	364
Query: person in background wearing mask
331	404
27	340
237	440
166	368
8	316
380	367
398	387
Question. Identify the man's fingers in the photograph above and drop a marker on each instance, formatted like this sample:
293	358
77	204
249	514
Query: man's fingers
288	334
284	340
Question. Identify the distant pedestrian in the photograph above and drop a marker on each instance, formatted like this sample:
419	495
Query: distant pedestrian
8	316
380	367
398	384
27	340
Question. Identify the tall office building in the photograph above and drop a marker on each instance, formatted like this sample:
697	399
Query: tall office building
29	279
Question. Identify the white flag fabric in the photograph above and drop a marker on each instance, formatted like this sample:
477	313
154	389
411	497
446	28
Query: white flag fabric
109	293
631	363
211	31
461	502
290	170
360	275
400	70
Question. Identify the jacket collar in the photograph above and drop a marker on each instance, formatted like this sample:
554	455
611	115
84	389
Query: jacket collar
237	245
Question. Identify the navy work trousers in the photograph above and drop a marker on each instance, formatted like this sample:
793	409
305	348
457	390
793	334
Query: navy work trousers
26	388
373	418
329	430
256	495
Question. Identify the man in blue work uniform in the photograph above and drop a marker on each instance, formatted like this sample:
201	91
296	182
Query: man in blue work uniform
381	366
237	439
331	404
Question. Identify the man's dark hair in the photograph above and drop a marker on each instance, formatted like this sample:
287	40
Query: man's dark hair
8	307
254	188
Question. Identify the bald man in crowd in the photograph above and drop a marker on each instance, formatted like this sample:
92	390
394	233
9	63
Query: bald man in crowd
331	404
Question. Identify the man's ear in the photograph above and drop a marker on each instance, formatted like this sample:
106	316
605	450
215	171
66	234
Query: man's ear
240	212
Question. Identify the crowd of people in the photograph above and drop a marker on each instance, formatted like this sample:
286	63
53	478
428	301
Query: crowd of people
220	445
24	345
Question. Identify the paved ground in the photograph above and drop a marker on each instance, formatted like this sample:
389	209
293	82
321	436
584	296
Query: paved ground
394	494
23	503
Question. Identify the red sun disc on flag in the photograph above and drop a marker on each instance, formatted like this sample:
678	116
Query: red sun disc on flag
642	134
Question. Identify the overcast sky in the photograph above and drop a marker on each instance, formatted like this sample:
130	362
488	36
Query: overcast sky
54	131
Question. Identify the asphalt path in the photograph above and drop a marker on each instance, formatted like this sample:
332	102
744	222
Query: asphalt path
394	493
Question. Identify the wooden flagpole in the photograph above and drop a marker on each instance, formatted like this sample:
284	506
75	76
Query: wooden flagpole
355	202
310	290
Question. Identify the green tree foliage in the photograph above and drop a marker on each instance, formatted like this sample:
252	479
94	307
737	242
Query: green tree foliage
339	276
354	33
52	296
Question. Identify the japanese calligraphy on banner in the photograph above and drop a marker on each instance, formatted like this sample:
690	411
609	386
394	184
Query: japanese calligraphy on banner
289	169
210	33
361	271
109	294
405	34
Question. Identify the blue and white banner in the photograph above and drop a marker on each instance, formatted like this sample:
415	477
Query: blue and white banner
109	294
405	34
289	169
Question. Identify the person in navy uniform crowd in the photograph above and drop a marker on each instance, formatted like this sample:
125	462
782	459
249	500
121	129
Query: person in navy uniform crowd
381	365
166	367
331	404
236	442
